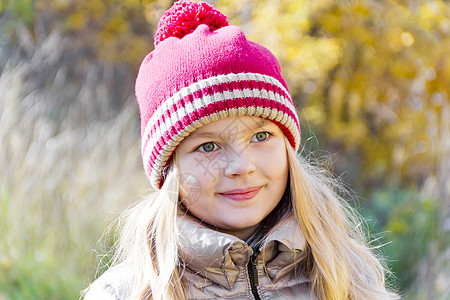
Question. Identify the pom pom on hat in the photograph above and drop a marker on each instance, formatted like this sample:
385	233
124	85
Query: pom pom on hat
185	16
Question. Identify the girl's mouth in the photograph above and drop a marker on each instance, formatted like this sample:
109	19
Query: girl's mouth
242	194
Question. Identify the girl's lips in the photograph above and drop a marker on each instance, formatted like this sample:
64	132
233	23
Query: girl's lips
242	194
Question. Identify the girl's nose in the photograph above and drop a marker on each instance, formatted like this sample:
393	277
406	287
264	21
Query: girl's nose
239	163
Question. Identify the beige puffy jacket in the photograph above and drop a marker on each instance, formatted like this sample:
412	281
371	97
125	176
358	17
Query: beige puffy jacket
222	266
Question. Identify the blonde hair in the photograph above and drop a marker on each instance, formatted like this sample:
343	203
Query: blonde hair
339	263
149	240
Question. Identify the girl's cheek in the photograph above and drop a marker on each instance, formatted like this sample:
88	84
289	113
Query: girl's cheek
209	166
190	188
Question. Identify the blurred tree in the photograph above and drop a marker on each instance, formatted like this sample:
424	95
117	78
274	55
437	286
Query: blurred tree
114	34
111	30
18	10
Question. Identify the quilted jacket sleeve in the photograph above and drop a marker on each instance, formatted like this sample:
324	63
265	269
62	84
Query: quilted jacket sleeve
101	290
115	284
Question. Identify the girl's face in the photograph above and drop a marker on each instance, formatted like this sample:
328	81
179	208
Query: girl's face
234	172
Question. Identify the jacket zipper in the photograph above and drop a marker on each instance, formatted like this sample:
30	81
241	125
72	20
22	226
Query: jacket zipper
253	275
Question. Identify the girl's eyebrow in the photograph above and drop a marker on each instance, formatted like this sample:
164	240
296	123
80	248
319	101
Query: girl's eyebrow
211	135
206	134
260	124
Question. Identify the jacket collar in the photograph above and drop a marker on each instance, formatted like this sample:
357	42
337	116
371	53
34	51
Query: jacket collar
217	256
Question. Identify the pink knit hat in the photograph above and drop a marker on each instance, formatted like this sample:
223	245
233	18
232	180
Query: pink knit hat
201	70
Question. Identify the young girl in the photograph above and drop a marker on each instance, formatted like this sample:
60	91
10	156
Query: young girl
236	213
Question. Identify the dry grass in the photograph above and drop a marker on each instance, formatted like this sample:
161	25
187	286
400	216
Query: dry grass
68	156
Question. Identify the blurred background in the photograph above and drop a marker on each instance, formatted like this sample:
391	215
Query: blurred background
370	79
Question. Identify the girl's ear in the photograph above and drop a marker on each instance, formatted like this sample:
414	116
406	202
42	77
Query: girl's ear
164	173
172	165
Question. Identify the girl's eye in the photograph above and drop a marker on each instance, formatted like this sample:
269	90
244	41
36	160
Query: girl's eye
207	147
260	136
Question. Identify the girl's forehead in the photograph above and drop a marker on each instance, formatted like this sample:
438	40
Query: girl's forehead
238	124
